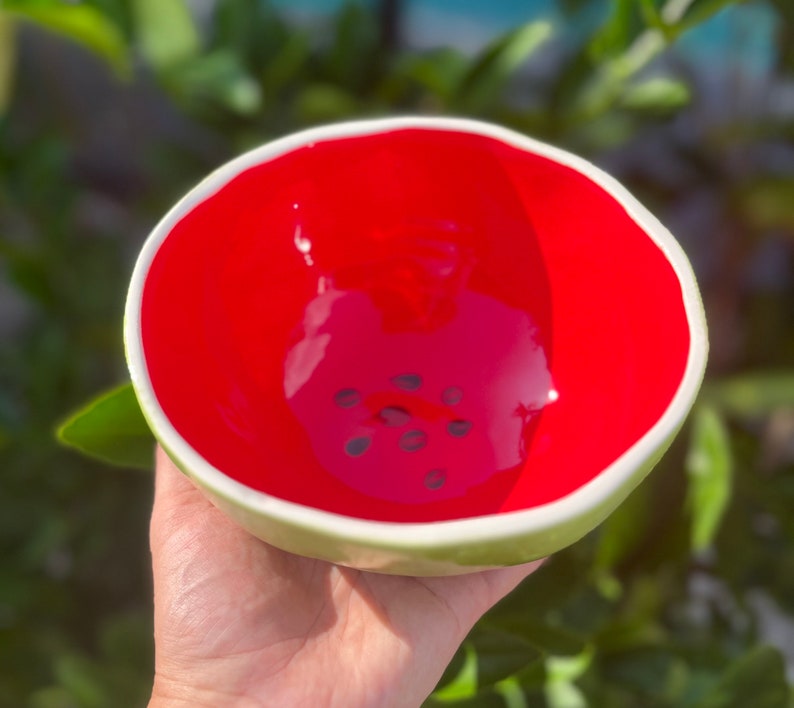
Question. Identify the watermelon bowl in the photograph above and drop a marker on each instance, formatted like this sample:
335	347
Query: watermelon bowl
422	346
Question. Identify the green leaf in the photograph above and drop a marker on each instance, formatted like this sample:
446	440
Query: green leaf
696	12
545	591
217	78
756	679
752	395
709	464
618	31
7	60
455	667
500	654
126	639
766	203
165	32
538	632
353	54
561	674
111	428
511	692
51	697
439	72
651	12
531	678
659	94
324	102
490	665
490	71
488	698
254	30
82	679
28	272
607	86
286	64
623	531
81	23
652	671
785	45
464	685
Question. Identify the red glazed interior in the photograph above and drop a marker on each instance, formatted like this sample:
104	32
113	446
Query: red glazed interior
412	326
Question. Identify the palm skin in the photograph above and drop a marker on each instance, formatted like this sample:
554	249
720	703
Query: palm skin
240	623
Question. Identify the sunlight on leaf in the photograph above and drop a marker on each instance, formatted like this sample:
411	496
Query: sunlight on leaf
165	31
752	395
709	464
499	61
511	692
81	23
659	94
464	685
561	674
608	84
111	428
7	57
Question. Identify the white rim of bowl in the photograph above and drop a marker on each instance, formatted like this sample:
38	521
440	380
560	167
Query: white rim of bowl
414	535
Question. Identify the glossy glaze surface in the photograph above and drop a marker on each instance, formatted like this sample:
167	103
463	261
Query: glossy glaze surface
413	325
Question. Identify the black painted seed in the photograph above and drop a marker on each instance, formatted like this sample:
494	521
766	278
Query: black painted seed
435	479
458	428
357	446
394	416
412	441
347	398
407	382
452	395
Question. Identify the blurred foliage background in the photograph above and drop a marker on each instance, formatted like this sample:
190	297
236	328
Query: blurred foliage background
111	109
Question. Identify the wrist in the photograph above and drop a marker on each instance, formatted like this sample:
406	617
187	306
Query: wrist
168	694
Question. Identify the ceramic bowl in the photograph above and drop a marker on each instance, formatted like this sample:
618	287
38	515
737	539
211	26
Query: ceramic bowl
422	346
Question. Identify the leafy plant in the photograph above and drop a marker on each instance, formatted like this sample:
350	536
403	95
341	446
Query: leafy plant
101	133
